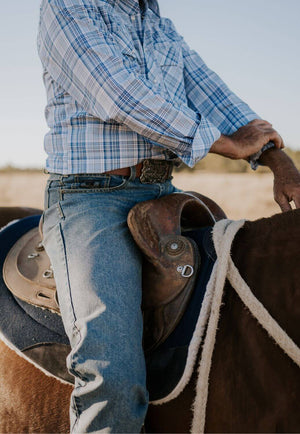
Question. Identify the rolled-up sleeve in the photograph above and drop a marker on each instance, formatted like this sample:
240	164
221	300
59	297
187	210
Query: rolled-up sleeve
208	95
86	61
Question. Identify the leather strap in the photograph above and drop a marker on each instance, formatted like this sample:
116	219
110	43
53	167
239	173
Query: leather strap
148	171
125	171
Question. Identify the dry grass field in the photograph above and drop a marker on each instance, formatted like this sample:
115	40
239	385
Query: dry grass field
241	195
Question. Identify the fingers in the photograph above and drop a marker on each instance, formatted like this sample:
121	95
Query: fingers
296	197
251	138
286	186
270	133
283	203
260	122
274	137
282	142
297	202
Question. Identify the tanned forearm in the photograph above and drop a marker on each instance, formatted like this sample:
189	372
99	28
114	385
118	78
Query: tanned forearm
277	160
286	177
247	140
250	139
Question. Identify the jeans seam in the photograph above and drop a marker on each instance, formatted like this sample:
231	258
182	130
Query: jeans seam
76	412
47	197
60	210
67	280
67	277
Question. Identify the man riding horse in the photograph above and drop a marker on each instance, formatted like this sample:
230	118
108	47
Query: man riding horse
127	100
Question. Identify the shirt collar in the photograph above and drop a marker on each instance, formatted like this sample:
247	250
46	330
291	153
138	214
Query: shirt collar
153	5
132	6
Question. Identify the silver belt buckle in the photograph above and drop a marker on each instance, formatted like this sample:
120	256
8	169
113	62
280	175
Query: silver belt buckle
155	171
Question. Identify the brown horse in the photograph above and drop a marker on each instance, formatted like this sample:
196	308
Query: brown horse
254	386
8	214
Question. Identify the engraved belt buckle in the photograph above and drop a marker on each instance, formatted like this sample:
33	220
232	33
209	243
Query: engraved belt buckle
154	171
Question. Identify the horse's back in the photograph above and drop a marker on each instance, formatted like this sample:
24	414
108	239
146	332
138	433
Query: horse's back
8	214
25	386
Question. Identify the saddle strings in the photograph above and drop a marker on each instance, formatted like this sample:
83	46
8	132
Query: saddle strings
224	232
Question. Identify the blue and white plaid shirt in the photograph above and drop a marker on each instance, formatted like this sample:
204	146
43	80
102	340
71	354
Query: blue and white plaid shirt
122	86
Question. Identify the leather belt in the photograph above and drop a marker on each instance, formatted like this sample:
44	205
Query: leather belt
148	171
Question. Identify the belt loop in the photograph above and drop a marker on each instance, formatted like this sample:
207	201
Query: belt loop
132	173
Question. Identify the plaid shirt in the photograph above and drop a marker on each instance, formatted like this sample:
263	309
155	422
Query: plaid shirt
122	86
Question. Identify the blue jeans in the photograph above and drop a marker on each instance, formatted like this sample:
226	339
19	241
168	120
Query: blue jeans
97	268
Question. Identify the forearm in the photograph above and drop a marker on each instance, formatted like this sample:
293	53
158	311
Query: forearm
277	161
286	177
222	147
247	140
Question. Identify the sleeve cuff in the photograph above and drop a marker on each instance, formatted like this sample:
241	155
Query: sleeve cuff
254	158
206	134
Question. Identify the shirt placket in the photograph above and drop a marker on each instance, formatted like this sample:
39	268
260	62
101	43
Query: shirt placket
153	72
137	21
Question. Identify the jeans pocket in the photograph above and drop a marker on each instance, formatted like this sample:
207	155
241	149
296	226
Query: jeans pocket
52	195
94	184
53	213
51	217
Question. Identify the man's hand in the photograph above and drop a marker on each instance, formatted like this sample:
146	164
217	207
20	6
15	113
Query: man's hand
286	178
247	140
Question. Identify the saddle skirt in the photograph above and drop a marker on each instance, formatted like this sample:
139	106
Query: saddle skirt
38	333
171	258
28	274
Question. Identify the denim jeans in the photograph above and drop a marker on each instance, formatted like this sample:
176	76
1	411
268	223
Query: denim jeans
97	268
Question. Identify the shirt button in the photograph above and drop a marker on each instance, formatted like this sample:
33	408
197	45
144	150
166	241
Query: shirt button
132	17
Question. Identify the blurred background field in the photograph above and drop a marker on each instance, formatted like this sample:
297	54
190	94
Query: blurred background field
241	192
241	195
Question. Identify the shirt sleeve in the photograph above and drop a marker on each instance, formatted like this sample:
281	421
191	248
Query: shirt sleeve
254	158
87	62
210	96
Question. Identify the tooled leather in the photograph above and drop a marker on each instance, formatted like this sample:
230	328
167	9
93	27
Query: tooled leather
163	310
154	224
162	282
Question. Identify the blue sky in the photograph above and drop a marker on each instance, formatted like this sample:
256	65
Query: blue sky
252	44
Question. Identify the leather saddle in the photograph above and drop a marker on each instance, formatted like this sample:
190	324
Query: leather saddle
171	261
27	271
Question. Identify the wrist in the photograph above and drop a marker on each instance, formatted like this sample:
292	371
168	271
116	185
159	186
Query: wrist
223	146
277	160
254	159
